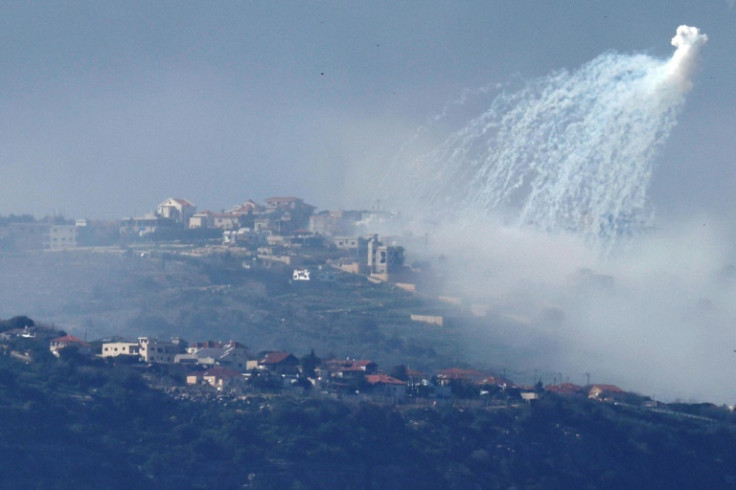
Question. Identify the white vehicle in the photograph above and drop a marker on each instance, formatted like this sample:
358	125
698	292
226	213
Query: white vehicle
301	275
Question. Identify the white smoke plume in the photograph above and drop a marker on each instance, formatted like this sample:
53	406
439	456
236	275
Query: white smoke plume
539	206
688	42
570	152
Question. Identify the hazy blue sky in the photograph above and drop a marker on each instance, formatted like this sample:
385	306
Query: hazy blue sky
107	108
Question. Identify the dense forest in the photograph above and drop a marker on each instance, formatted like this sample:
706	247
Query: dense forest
69	423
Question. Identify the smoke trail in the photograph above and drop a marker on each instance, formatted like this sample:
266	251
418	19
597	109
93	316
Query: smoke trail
570	152
688	42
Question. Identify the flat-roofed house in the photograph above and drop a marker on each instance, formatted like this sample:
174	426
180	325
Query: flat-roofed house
115	349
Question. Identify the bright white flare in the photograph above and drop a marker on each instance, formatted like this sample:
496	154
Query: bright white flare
571	152
688	42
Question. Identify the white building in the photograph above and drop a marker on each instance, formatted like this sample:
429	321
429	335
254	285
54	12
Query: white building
61	237
154	350
231	354
114	349
176	209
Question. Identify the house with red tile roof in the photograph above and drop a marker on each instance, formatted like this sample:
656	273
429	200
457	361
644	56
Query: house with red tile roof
60	343
276	362
605	392
348	368
446	376
565	389
385	385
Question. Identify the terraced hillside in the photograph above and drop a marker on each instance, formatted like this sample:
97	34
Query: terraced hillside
104	294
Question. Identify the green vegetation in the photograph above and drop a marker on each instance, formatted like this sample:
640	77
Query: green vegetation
70	423
16	322
160	294
75	423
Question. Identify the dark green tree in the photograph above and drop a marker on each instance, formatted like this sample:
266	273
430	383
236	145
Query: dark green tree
309	363
16	322
400	372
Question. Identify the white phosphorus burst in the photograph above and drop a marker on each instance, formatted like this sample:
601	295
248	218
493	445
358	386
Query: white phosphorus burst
570	152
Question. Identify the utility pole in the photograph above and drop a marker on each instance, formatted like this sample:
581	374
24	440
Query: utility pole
587	379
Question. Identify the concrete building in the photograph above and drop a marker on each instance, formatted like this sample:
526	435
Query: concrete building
114	349
61	237
226	221
176	209
284	215
38	235
202	219
383	259
218	377
230	354
154	350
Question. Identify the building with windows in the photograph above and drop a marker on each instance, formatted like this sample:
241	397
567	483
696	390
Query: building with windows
176	209
115	349
61	237
154	350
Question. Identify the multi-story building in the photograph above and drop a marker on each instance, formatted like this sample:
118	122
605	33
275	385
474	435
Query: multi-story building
61	237
39	235
154	350
284	215
114	349
383	259
176	209
202	219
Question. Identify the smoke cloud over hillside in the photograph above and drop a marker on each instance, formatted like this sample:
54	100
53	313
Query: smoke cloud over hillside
541	204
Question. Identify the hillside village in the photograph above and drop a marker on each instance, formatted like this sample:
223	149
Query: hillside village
292	422
275	229
283	232
227	368
170	412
